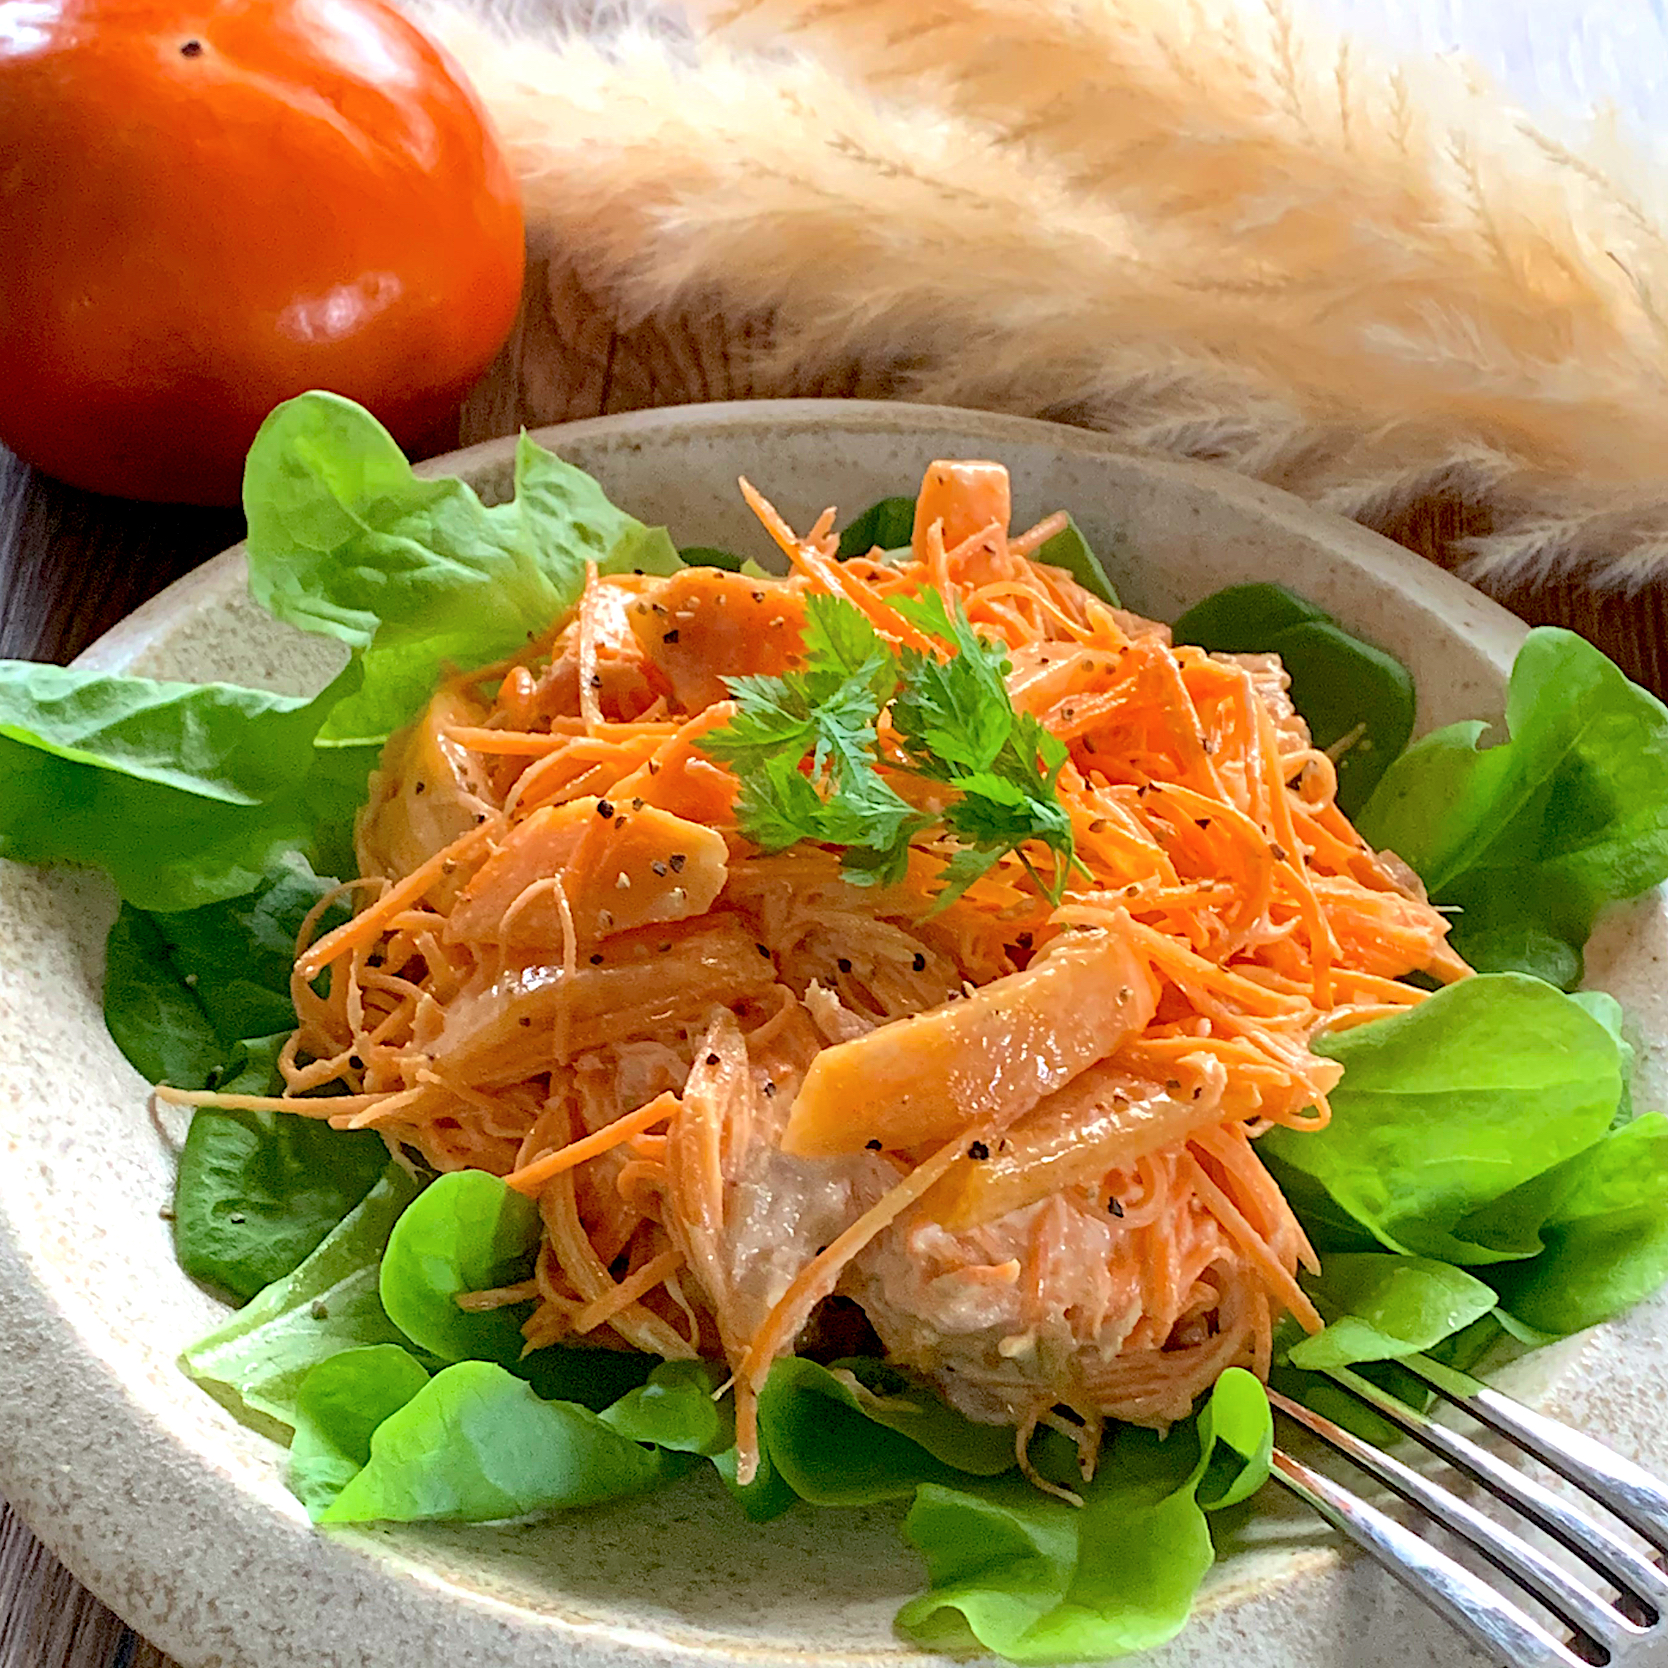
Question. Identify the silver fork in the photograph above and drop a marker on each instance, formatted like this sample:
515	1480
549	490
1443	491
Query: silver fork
1628	1631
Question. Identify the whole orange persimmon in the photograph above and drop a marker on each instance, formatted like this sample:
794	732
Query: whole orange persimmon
207	206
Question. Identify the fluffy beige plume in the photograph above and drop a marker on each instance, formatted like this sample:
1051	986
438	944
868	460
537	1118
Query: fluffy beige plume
1171	223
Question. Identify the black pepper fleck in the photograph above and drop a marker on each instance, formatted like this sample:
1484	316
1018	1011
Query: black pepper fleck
670	636
844	964
676	862
191	49
977	1150
356	1062
420	787
1278	852
596	960
762	951
1115	1208
525	1020
919	963
712	1059
659	868
769	1088
604	809
873	1144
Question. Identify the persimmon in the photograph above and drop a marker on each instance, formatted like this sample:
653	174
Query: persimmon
209	206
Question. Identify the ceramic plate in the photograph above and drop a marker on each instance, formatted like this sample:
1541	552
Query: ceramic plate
179	1518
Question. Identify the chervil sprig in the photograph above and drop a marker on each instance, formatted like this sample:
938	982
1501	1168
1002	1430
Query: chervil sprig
806	749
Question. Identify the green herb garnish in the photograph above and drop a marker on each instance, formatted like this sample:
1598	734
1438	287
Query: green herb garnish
806	747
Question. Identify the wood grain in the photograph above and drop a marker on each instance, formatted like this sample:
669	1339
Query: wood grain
72	564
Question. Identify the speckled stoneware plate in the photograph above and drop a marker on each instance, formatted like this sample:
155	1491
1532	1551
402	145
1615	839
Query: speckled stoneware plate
179	1518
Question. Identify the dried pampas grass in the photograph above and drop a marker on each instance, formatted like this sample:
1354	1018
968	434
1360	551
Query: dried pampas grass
1194	226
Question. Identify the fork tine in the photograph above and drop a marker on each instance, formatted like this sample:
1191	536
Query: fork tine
1596	1546
1498	1629
1618	1485
1579	1606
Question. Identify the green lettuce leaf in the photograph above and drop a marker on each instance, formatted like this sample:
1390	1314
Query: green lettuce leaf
1446	1107
1531	837
1601	1221
1037	1581
1608	1012
466	1232
182	793
837	1443
1239	619
1379	1306
254	1362
1069	549
337	1411
763	1499
258	1191
888	525
1462	1349
475	1444
1236	1442
346	540
1343	687
675	1409
183	990
201	999
707	556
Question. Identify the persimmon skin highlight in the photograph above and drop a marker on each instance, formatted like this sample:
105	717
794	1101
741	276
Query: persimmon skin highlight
207	210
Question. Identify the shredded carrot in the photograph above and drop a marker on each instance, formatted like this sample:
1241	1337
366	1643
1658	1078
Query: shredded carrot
368	924
634	1063
531	1178
653	1273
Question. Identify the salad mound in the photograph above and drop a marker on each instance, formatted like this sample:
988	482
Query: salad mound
985	1034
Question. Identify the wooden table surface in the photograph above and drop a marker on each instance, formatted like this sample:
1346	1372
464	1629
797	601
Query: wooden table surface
72	564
